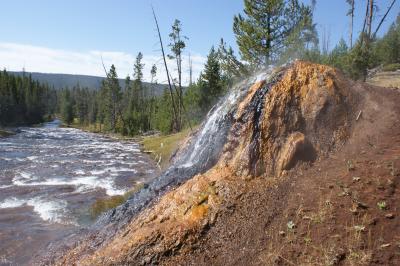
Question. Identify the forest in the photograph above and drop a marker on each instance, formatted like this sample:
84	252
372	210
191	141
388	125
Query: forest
25	101
267	33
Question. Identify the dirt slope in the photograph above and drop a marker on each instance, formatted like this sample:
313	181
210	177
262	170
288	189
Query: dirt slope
309	176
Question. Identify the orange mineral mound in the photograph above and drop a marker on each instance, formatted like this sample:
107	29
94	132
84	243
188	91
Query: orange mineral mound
309	175
305	114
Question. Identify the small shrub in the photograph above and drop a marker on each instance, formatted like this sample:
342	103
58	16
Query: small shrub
381	205
4	133
350	165
104	204
291	225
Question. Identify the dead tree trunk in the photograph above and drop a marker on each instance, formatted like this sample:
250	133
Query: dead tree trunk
383	19
371	14
176	126
351	13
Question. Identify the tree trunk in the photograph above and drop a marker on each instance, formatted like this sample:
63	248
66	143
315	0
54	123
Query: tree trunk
351	24
383	19
371	13
174	110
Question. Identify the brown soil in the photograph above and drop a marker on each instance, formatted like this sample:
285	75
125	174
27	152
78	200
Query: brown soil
311	180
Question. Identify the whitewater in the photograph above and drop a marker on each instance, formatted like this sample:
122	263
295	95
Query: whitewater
50	176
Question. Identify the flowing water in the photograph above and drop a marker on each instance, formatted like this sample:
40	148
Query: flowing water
51	174
49	177
199	155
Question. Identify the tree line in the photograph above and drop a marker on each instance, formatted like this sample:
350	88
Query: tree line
368	51
24	101
267	32
275	32
134	108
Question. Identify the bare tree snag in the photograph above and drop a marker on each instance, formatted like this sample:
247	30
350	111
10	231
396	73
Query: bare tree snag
175	122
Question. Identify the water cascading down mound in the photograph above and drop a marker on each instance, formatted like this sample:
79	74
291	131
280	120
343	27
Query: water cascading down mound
264	127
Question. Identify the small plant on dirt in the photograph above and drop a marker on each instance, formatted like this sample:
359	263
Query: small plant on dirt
291	225
382	205
359	228
350	165
307	240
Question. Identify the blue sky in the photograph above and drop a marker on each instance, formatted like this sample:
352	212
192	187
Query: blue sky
71	36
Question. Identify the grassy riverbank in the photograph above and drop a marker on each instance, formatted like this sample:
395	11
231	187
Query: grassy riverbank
5	133
161	147
104	204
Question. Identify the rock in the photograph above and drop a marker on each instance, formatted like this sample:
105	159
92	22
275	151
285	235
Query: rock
389	215
296	148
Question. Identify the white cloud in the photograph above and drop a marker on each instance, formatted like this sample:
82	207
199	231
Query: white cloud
15	56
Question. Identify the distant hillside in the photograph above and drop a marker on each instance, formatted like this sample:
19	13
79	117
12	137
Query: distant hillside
68	80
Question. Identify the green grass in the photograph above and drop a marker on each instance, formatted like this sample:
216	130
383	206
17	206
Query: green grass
5	133
104	204
164	146
391	67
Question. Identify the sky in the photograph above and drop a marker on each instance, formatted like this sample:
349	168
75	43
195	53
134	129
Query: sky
71	36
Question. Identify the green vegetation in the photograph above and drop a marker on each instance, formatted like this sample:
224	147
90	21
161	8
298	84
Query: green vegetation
368	52
24	101
135	109
104	204
5	133
268	32
381	205
274	32
162	147
391	67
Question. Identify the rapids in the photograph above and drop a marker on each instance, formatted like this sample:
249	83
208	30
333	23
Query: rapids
200	153
49	177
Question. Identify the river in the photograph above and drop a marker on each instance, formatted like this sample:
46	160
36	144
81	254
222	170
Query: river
49	178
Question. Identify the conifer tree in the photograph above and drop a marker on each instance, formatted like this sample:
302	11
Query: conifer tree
210	81
67	112
112	98
262	32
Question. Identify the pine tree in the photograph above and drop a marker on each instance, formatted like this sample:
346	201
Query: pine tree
360	58
231	67
339	56
210	82
177	46
112	98
262	33
24	100
67	112
388	48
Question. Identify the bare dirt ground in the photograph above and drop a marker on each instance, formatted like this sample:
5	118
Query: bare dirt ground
341	210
